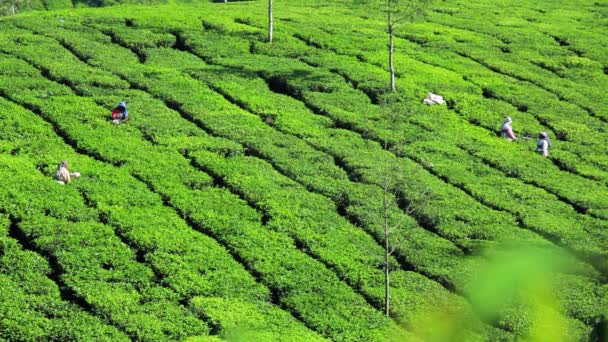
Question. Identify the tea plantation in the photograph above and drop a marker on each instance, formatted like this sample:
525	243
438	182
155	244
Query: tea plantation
242	201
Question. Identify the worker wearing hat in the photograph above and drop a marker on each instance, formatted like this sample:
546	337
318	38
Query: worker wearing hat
63	175
543	144
506	131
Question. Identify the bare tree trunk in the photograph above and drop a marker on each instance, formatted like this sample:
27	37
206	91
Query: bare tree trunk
13	8
391	45
387	277
391	60
270	21
387	245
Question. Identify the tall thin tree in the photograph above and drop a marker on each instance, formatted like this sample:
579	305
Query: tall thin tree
398	12
394	209
270	21
388	203
391	44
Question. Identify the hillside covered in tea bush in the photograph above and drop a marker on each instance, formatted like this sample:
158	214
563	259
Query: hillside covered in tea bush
242	199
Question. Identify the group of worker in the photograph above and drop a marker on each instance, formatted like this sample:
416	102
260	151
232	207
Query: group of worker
506	131
120	114
542	145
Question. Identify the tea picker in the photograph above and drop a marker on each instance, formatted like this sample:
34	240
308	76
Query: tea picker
506	130
120	114
433	99
63	175
543	144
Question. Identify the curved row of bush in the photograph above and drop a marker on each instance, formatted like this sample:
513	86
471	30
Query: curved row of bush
93	264
221	115
31	304
550	177
293	157
541	53
365	83
595	312
321	286
437	64
531	216
208	115
533	109
476	59
325	101
156	137
440	139
191	263
110	281
249	95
